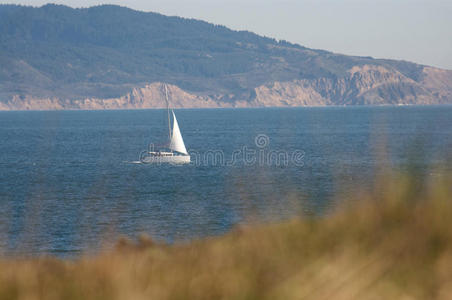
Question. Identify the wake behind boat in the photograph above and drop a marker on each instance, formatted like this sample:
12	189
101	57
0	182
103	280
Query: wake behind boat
175	151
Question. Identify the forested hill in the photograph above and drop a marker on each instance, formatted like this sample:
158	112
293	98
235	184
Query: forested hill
57	57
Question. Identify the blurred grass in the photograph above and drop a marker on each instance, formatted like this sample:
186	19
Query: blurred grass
392	243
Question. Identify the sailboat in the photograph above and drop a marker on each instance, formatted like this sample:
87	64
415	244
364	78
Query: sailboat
175	151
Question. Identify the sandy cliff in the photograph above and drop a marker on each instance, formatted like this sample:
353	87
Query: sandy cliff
362	85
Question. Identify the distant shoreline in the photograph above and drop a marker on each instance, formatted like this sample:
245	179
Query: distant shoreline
236	108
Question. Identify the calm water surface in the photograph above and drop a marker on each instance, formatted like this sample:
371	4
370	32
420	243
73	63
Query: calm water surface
70	180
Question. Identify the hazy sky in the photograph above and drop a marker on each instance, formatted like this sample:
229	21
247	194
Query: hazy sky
414	30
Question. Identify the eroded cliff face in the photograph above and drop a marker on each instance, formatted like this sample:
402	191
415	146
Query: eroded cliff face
362	85
439	82
150	96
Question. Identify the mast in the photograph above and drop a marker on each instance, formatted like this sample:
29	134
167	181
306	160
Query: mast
167	108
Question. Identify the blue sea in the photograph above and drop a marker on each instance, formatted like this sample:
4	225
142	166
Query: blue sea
72	181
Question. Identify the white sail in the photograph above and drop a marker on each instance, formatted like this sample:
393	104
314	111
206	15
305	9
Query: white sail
177	143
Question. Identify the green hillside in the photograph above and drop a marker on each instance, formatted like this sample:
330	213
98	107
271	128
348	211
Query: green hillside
105	51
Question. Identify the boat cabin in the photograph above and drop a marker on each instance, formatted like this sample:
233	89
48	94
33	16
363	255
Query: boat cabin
161	153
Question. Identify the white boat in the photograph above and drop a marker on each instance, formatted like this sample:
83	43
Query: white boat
175	151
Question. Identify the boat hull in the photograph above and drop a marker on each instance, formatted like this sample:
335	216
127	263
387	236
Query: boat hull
176	159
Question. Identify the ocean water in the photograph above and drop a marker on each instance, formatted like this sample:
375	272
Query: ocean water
71	181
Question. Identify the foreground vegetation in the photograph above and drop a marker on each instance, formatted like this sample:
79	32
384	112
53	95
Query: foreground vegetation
392	243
